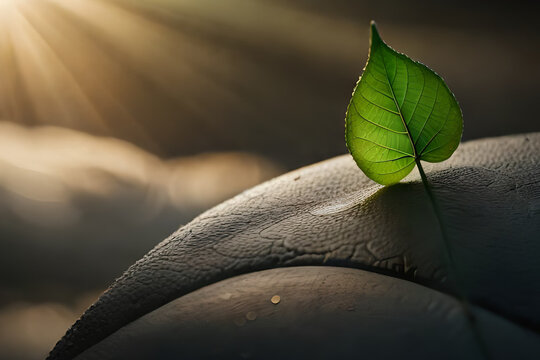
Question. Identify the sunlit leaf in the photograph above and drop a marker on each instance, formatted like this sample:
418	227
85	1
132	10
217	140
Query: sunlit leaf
400	112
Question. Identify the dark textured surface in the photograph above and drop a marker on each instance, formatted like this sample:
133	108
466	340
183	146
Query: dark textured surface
323	313
331	214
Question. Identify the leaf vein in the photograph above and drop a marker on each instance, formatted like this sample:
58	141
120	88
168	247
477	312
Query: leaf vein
377	90
419	98
406	86
398	170
400	112
383	146
429	116
377	105
438	131
374	123
389	160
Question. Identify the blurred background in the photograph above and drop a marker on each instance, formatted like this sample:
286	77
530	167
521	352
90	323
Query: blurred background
121	120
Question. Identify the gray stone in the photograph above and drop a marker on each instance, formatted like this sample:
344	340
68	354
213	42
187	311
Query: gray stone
330	214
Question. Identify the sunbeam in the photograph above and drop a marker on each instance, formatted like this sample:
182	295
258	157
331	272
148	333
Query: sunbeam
184	76
122	119
165	70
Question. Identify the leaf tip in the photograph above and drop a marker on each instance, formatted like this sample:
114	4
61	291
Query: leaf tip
375	37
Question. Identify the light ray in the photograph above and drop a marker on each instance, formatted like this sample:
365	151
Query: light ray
146	70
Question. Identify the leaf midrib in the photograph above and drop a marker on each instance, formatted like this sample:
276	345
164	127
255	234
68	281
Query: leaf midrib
415	155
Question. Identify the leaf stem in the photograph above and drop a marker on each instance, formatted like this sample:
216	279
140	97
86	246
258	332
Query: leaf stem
453	270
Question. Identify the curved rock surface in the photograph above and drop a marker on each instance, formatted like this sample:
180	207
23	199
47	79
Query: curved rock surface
323	313
331	214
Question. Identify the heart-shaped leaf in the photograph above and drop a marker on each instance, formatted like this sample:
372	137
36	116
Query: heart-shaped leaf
400	112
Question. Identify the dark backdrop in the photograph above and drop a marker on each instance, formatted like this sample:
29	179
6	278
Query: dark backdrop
120	120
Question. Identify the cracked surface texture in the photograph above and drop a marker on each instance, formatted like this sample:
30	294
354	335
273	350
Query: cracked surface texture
330	214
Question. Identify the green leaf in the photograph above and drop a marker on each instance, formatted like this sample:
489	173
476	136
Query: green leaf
400	112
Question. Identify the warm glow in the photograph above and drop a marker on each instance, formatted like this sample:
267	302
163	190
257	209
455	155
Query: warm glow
47	166
8	2
6	9
136	68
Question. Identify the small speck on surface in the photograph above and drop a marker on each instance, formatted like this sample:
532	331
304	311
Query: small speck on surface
275	299
252	315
